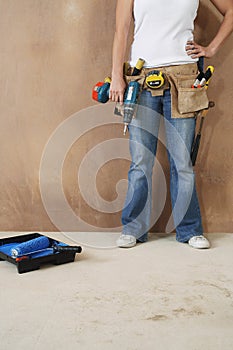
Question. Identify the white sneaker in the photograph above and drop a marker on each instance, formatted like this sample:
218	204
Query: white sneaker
126	241
199	242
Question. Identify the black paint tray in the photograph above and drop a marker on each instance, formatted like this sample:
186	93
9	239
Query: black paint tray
35	260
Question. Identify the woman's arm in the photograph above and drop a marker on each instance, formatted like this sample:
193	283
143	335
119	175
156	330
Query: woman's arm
124	12
225	7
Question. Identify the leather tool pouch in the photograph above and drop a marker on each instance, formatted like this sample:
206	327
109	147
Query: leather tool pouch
185	99
190	99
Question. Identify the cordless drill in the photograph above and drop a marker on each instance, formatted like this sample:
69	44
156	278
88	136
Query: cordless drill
101	91
131	95
130	100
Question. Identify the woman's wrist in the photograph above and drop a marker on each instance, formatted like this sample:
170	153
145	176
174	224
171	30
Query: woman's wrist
117	75
212	49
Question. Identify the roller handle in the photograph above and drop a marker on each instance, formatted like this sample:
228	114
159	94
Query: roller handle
75	249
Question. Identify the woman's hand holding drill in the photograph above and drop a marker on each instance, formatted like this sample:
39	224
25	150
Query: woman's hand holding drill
117	89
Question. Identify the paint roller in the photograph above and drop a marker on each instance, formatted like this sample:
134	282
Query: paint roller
40	244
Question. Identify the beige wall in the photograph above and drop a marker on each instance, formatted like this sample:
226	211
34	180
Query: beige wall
52	53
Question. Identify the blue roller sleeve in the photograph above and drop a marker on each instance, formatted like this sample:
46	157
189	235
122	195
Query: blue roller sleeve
30	246
6	248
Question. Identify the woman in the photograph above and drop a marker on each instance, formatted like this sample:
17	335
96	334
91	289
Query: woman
163	37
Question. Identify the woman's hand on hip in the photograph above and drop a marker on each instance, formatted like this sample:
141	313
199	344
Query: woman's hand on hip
195	51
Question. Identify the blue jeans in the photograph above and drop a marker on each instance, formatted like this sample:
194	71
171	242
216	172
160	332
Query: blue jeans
144	130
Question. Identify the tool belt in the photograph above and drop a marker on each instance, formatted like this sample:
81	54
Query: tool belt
179	79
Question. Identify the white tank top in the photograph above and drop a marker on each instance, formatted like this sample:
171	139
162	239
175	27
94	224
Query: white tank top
162	28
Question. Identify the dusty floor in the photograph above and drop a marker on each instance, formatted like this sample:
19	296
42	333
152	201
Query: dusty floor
159	295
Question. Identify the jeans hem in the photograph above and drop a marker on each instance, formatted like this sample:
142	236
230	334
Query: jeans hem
187	238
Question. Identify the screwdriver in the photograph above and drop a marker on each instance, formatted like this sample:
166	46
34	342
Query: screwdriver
207	76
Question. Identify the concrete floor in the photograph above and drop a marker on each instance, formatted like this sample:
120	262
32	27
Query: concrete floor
159	295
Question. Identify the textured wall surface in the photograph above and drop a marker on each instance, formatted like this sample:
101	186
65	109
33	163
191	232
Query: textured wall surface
52	53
